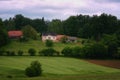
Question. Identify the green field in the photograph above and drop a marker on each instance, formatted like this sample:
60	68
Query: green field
55	68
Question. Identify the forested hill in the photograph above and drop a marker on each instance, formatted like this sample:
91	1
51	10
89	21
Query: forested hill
84	26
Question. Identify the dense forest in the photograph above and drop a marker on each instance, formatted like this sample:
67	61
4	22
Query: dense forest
83	26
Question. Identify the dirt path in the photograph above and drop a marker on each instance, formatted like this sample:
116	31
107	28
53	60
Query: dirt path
108	63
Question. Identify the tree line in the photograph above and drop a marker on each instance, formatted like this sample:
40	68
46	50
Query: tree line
83	26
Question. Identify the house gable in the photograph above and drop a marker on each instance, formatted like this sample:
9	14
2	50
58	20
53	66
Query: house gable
49	36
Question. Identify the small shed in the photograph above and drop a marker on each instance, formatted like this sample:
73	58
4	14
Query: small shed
72	39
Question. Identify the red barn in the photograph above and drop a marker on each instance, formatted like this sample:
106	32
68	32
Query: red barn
15	34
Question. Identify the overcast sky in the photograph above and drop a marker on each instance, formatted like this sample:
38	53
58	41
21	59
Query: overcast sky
60	9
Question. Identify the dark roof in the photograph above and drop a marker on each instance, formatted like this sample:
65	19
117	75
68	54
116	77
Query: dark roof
46	34
72	38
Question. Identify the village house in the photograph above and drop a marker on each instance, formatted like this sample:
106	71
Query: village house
15	34
49	36
57	38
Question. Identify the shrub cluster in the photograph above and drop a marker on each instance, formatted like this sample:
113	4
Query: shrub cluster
113	50
32	52
49	52
71	52
2	52
10	53
95	51
20	53
34	69
92	51
49	43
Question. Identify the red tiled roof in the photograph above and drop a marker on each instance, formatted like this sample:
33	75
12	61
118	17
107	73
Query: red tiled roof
59	37
15	33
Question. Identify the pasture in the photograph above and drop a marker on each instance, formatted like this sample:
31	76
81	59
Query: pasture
55	68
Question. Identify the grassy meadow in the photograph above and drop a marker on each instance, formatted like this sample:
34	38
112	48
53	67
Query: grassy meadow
55	68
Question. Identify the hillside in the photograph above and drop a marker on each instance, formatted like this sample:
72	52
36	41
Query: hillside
36	44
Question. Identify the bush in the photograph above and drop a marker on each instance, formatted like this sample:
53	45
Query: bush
112	49
76	51
2	52
10	53
7	53
67	51
9	76
20	53
83	41
23	39
64	39
34	69
49	43
32	52
48	52
95	51
72	52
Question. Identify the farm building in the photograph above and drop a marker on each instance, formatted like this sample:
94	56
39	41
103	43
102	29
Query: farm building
56	38
15	34
51	36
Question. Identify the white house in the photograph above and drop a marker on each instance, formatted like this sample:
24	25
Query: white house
49	36
56	38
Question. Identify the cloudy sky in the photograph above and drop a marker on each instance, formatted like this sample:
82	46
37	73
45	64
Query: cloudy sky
60	9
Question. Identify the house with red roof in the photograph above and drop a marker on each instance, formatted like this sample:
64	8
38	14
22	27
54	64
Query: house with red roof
52	36
15	34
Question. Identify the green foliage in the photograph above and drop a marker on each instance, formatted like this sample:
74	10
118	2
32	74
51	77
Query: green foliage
23	39
49	43
29	32
19	21
10	53
20	53
49	52
67	51
112	50
34	69
40	25
55	26
64	39
95	51
3	36
108	39
9	24
72	52
2	52
32	52
117	33
76	51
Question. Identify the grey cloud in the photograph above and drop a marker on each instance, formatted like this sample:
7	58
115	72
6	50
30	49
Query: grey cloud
5	0
113	0
50	11
108	1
